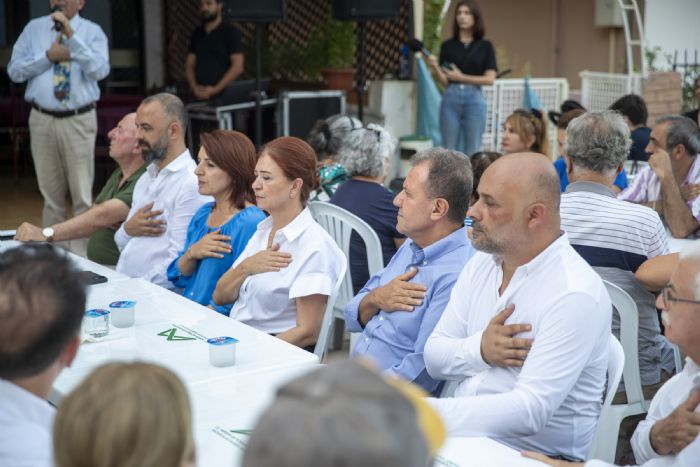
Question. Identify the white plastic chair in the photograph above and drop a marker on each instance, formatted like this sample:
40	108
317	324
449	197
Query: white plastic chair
616	363
340	224
448	390
324	334
677	358
609	422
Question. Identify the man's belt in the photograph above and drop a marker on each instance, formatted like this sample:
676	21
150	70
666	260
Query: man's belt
65	113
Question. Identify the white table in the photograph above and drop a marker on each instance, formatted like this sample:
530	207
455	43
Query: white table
171	331
230	405
467	452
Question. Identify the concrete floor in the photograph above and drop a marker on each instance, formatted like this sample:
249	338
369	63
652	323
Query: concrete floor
20	201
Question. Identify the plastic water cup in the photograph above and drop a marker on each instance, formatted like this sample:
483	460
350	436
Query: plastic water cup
122	313
96	322
222	351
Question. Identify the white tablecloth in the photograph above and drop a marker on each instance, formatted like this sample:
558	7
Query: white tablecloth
477	452
171	331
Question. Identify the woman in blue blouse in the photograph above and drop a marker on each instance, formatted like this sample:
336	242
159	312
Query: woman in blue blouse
218	231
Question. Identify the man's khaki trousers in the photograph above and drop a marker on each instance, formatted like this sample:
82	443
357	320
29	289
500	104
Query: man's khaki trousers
63	153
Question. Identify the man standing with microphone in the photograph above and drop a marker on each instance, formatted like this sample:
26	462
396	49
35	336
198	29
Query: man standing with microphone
62	56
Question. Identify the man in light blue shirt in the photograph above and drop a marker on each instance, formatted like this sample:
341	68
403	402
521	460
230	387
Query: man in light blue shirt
62	56
398	308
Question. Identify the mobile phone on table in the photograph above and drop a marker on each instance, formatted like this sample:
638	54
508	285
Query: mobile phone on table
91	278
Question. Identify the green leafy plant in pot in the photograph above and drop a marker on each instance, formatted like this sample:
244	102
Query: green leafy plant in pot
330	54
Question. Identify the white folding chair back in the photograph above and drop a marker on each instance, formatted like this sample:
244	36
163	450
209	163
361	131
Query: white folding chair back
677	358
616	363
609	422
340	224
448	390
324	334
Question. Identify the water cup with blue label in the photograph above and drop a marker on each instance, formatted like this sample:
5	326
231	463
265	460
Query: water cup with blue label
96	323
222	351
122	313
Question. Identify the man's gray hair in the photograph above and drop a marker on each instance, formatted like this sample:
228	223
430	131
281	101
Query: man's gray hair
450	177
367	152
598	141
689	253
681	130
172	106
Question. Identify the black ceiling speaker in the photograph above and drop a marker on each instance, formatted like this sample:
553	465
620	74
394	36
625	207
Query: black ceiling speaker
364	10
256	10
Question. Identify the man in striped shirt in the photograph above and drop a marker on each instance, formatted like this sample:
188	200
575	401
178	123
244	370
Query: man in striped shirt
671	183
612	235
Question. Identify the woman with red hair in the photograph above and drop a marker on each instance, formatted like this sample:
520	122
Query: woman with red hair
281	282
220	230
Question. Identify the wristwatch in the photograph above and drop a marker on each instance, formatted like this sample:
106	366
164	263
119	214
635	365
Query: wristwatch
48	233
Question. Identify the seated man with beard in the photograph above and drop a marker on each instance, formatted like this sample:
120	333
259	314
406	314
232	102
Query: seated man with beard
527	328
165	197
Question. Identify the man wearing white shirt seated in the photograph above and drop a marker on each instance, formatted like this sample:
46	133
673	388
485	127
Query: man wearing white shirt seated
41	306
165	197
669	434
527	327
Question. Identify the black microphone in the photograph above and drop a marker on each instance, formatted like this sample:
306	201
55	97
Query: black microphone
417	46
57	24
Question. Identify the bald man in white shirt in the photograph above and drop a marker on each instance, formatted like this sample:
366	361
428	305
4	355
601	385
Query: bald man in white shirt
527	327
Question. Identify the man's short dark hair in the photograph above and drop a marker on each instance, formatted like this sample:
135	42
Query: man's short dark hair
633	107
42	302
450	177
173	107
681	130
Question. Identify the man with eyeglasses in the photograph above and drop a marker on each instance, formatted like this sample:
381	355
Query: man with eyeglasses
669	434
671	182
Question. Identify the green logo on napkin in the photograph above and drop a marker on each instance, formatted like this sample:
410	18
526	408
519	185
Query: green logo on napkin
170	335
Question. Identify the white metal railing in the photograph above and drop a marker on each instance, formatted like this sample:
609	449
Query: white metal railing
506	95
600	90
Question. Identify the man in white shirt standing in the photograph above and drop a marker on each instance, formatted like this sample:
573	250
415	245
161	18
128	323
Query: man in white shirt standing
165	197
62	56
527	327
41	306
669	434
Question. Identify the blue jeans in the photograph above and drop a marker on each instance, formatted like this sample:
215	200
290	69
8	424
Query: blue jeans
462	114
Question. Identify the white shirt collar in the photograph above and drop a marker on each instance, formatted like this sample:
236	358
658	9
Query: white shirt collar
179	163
561	242
693	370
295	228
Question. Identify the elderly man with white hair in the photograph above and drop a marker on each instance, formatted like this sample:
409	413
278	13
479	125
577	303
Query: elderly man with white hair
669	434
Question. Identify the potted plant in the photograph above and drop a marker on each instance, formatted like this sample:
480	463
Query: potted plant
330	53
